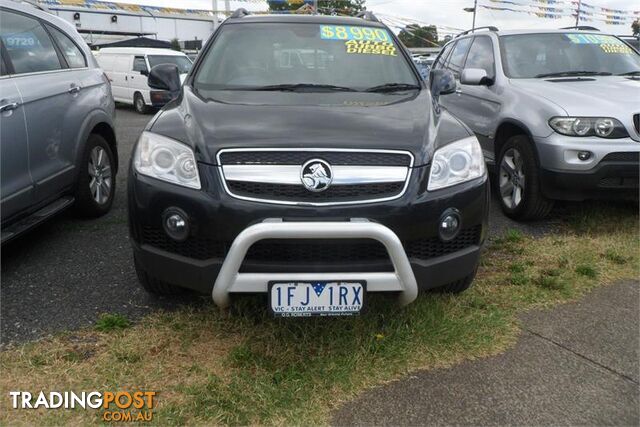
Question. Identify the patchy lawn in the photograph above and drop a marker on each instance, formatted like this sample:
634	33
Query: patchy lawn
252	369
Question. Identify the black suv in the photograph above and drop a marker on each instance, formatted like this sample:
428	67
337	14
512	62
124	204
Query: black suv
304	157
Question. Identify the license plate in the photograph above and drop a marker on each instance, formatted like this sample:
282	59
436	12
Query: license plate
325	298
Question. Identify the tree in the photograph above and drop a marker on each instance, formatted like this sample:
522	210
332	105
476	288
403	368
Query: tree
446	40
413	35
175	45
328	7
636	27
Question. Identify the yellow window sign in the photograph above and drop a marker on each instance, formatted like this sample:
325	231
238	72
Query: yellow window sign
371	48
616	48
349	32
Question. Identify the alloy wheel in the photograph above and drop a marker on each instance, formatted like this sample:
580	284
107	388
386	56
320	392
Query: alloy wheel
101	176
512	178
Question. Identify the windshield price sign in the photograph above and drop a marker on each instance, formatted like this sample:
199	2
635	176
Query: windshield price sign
348	32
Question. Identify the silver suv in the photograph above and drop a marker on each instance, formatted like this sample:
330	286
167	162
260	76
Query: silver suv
557	113
57	139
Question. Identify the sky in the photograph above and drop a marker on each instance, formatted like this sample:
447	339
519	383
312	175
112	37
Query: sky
444	13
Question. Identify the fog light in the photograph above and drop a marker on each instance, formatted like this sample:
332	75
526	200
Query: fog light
450	224
176	224
584	155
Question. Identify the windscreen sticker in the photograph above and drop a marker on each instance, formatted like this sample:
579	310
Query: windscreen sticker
26	40
593	39
371	48
616	48
348	32
608	44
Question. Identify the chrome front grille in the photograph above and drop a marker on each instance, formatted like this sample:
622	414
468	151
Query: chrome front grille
360	158
273	175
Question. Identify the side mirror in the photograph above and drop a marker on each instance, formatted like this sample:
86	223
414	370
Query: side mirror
165	77
442	82
144	72
475	77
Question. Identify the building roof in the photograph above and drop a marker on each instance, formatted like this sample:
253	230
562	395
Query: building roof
311	19
138	42
125	8
140	51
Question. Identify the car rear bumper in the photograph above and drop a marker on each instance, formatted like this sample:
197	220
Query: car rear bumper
217	219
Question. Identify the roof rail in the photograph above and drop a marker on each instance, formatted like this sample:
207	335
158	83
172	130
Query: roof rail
36	5
240	13
490	28
367	16
581	28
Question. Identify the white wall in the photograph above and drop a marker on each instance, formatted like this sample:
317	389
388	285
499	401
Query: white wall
164	28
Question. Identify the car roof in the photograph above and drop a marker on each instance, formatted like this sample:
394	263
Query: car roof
303	19
39	12
139	51
558	31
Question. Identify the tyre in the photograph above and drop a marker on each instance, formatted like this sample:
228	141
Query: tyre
153	285
139	104
96	184
518	182
458	286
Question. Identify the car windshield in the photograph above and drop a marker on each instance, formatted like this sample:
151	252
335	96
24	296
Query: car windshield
183	63
304	57
565	54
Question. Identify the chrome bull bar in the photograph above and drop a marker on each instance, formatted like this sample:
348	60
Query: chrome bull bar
230	280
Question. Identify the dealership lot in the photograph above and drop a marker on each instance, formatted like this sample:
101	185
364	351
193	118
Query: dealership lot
64	274
67	272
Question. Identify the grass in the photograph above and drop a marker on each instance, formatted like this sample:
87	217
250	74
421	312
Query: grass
249	368
111	322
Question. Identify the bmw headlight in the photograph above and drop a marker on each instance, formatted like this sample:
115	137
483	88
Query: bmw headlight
166	159
603	127
455	163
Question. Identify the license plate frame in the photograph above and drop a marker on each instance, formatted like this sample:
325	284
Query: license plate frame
310	285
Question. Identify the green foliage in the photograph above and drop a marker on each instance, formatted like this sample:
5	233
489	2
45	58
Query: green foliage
326	7
615	257
587	271
636	27
112	322
414	35
175	45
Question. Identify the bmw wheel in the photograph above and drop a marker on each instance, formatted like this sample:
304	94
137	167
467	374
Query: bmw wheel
518	181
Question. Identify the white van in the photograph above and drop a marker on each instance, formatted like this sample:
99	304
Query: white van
128	68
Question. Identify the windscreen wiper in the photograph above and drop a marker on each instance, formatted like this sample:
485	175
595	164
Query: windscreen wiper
310	87
631	73
393	87
574	73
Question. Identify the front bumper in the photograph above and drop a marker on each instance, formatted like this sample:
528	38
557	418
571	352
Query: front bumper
611	172
217	219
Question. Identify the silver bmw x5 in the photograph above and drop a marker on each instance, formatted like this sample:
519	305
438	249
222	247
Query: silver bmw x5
557	113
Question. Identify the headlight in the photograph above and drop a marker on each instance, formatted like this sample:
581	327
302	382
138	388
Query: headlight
603	127
455	163
165	159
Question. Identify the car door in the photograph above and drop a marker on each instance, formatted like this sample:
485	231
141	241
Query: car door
454	63
16	186
85	93
138	75
120	85
47	89
478	105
